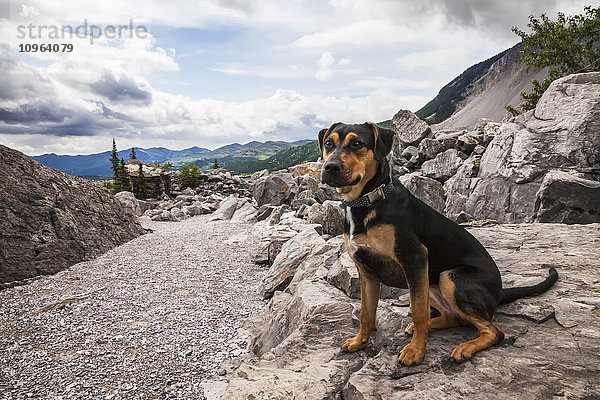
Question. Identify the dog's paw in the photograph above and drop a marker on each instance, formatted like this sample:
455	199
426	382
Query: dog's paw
462	353
354	344
409	329
411	355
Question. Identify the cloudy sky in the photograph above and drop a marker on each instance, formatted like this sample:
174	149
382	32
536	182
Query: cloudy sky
212	72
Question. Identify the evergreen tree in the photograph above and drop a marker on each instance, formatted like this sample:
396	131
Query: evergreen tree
142	185
124	180
216	164
116	168
568	45
132	156
165	166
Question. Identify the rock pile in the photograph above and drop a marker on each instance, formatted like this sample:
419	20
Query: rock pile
181	203
542	166
50	220
158	181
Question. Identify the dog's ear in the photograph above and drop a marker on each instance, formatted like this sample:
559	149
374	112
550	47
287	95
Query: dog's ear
384	140
325	132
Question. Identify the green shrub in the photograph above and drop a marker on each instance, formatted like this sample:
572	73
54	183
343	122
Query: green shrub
190	175
569	45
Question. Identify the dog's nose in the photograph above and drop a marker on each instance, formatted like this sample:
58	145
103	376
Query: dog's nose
332	167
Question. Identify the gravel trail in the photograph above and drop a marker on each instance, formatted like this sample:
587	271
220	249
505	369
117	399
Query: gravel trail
149	319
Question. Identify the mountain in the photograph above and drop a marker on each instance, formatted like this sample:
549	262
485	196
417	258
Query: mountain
98	165
482	91
281	160
234	153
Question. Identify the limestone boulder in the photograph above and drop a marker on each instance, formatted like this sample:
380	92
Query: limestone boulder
158	182
443	166
311	168
294	348
138	207
333	218
568	198
409	129
429	148
428	190
50	220
272	239
244	212
226	210
560	134
274	189
315	214
292	253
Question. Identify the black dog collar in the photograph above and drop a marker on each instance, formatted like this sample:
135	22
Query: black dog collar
381	192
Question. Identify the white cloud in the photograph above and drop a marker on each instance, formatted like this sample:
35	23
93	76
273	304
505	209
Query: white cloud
325	72
392	83
361	33
74	109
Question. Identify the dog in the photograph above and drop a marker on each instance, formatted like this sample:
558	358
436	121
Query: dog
396	239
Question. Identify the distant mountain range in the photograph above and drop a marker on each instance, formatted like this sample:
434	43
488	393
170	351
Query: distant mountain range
98	165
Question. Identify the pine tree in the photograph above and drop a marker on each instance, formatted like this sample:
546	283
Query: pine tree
124	178
116	168
216	164
142	185
132	155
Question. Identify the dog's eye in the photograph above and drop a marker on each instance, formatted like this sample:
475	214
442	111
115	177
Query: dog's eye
328	143
356	144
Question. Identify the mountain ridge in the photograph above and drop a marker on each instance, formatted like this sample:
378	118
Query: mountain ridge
482	91
97	165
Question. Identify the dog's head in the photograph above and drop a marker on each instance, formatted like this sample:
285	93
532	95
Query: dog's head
351	155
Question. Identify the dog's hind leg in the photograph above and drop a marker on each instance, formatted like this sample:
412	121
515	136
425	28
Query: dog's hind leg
467	298
447	319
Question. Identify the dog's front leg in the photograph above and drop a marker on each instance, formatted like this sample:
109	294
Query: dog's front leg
369	297
417	277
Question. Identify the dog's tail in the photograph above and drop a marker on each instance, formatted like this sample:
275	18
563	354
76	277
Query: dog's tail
512	294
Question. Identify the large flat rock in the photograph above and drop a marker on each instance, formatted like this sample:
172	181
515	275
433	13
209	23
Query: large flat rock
550	349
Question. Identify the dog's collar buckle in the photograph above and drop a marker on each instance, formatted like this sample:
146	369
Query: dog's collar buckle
376	194
373	196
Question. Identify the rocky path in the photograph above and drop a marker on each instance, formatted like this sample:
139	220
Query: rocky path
150	319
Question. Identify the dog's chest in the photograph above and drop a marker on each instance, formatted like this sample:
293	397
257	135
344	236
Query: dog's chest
373	249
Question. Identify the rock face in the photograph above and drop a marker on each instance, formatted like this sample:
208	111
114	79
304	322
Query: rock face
157	181
50	220
560	134
550	348
568	198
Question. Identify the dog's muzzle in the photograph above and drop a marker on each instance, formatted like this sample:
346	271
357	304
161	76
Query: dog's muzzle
333	174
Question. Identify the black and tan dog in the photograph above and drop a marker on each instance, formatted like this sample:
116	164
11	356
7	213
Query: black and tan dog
396	239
